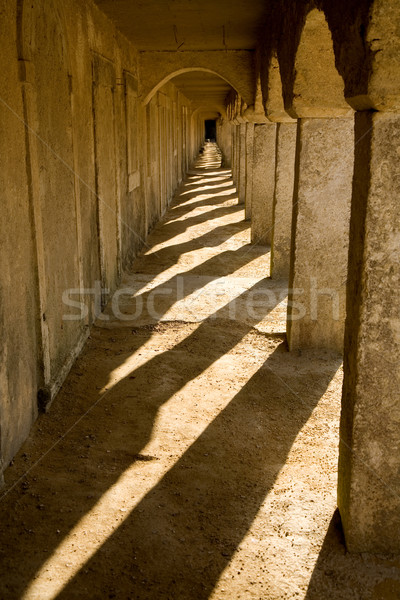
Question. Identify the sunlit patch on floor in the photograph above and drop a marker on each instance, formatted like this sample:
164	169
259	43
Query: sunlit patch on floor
121	499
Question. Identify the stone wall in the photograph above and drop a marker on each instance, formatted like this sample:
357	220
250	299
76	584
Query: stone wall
86	170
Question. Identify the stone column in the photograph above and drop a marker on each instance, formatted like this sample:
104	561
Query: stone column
263	183
233	143
242	163
283	199
369	463
224	141
236	163
320	233
249	169
237	148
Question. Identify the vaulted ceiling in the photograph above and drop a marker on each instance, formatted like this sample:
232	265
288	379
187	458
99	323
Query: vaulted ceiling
188	24
203	89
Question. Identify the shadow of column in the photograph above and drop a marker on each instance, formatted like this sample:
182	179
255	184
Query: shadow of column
182	535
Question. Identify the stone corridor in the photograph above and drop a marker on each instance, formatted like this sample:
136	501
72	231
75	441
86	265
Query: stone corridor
189	455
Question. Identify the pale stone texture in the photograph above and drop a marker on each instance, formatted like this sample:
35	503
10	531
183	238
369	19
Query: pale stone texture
235	155
274	105
79	188
283	199
242	163
263	183
320	233
233	152
19	319
108	204
369	466
381	91
249	169
318	88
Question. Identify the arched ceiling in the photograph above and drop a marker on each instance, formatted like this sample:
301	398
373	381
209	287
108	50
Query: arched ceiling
188	24
203	89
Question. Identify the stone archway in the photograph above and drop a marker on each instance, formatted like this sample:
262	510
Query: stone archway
236	68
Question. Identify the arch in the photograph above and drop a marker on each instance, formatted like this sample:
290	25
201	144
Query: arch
157	68
236	109
171	76
318	88
207	113
274	103
217	110
383	39
256	113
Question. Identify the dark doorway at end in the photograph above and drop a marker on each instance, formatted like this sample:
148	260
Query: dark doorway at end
210	130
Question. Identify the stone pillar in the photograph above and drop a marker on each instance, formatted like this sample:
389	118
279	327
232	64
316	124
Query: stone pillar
237	149
263	183
224	140
242	163
320	233
236	154
369	462
283	199
233	144
249	169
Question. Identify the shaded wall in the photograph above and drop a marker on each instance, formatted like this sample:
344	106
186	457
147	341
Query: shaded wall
86	170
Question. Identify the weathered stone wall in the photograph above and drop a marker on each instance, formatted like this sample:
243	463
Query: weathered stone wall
81	184
19	319
172	140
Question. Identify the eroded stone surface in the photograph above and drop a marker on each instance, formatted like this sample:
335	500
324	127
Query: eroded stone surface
320	234
263	183
283	199
242	163
249	168
369	481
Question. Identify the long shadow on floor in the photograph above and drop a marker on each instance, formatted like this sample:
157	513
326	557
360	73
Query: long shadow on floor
181	536
174	227
220	265
340	575
84	465
97	450
191	205
212	238
228	193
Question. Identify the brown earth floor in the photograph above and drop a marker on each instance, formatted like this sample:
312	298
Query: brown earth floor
188	455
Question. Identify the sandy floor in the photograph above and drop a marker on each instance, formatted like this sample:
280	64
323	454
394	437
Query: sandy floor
188	455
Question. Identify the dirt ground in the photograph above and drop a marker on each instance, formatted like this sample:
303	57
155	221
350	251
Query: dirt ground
189	455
